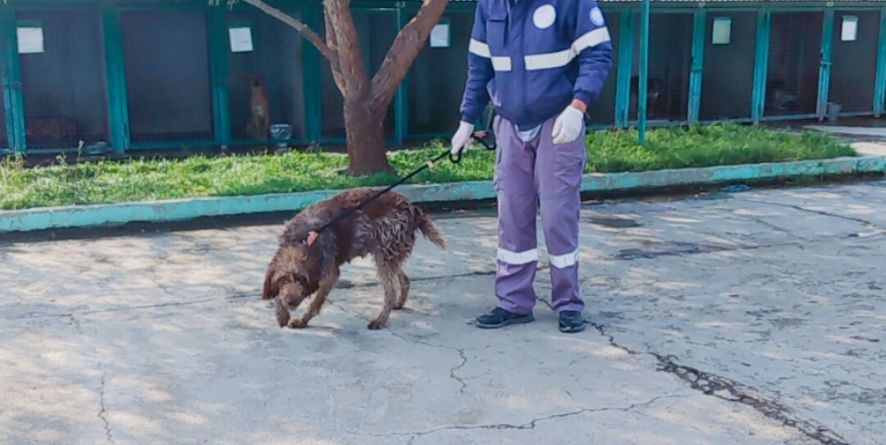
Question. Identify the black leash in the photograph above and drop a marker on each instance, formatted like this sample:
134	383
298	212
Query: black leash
477	136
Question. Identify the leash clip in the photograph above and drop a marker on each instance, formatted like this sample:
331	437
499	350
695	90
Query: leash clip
310	239
480	137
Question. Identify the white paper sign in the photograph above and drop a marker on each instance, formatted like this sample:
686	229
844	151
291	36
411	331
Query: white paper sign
722	32
849	30
241	39
30	40
440	36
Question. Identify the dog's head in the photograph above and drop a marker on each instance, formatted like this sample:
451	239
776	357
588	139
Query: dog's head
256	82
296	271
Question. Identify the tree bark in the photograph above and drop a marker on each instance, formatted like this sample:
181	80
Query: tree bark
365	138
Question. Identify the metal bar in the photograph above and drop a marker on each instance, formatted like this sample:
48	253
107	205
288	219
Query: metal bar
761	64
856	114
880	87
115	66
12	84
625	68
218	65
291	142
824	73
742	120
171	144
696	74
312	62
790	117
401	98
7	29
644	68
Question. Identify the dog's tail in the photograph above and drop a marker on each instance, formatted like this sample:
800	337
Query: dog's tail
428	228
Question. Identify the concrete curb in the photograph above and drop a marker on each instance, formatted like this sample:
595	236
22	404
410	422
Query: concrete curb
183	209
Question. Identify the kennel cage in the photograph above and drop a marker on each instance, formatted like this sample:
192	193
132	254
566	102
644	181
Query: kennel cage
64	107
729	52
793	68
176	44
670	59
264	62
853	65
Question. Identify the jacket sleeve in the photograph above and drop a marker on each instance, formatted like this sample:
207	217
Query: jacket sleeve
480	72
593	49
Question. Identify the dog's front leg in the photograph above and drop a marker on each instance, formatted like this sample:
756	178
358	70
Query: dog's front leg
282	312
326	287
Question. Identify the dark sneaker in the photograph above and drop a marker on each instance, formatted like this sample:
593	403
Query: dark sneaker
572	322
500	318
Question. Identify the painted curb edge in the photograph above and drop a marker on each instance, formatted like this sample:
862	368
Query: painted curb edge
184	209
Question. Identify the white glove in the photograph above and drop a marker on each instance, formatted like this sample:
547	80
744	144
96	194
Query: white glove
462	138
568	126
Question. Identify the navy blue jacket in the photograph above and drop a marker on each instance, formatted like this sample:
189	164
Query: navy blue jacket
534	57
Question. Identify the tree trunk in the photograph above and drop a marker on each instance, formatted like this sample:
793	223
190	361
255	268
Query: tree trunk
365	138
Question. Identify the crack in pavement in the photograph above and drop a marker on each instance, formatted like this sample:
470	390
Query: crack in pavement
452	375
732	391
103	410
816	212
772	226
611	338
452	371
32	315
687	248
532	424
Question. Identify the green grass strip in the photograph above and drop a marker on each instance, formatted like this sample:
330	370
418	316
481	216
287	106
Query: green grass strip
297	171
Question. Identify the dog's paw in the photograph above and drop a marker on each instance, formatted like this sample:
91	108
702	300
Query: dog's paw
282	314
376	325
298	324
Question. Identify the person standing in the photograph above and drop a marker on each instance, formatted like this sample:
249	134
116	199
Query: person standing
542	63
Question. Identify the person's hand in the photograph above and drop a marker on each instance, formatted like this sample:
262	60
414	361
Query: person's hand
462	138
568	126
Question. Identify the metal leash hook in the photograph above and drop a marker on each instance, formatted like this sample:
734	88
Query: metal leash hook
477	136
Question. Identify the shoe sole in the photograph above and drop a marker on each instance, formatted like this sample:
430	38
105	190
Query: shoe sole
573	329
520	320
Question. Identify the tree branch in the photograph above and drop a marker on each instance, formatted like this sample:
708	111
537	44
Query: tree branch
350	57
299	26
403	52
332	43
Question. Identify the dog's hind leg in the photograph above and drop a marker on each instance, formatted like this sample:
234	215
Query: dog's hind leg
387	273
326	287
404	289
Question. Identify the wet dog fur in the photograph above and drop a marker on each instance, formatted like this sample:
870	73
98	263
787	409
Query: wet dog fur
384	229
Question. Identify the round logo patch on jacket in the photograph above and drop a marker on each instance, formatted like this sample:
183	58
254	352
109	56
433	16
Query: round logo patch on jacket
597	16
544	16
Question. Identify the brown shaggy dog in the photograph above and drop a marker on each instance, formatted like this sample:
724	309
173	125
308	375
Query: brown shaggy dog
384	229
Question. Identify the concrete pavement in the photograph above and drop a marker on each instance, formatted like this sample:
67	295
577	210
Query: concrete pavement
748	318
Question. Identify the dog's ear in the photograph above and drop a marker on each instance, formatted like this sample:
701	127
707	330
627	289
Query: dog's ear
324	247
270	289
